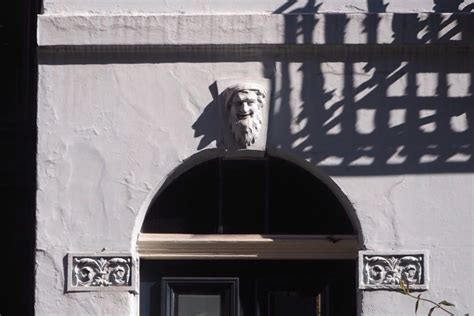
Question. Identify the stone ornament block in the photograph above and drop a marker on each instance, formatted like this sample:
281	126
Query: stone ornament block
89	272
384	270
243	114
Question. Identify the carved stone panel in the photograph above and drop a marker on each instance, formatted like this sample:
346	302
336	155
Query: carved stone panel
385	270
104	272
243	105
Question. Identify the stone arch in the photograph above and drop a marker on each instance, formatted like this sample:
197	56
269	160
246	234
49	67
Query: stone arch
329	182
209	154
163	183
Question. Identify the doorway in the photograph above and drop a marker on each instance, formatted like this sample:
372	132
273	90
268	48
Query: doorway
247	288
247	237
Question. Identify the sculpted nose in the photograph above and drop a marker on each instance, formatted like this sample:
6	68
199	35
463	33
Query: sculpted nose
245	107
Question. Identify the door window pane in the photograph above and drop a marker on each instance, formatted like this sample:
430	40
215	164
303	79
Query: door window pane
284	303
198	305
200	296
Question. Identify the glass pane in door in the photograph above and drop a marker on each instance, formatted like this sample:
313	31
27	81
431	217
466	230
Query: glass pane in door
199	296
198	305
284	303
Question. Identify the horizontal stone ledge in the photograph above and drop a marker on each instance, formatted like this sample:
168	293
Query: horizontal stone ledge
178	246
213	53
231	29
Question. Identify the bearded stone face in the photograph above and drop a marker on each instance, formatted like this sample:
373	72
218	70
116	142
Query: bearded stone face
245	115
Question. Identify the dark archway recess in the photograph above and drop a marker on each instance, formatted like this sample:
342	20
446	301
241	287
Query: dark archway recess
247	196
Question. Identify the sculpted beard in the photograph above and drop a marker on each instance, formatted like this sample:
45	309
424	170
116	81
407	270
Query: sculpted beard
246	130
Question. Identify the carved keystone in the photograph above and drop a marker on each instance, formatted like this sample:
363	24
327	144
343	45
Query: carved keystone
244	113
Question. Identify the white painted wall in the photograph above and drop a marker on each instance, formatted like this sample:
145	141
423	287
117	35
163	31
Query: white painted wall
248	6
393	129
110	133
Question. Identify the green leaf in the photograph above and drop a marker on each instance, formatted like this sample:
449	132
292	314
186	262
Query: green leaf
446	303
432	310
404	287
417	303
408	286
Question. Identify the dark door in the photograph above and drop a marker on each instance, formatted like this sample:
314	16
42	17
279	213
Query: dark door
247	288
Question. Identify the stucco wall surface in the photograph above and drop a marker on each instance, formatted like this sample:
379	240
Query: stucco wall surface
376	94
247	6
395	133
255	29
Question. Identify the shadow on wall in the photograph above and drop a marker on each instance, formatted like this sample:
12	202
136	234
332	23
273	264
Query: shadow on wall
373	109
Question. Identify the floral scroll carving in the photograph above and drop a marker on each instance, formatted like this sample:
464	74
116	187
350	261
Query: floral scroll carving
99	273
387	270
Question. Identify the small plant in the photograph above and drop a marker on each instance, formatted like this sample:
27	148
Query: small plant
405	288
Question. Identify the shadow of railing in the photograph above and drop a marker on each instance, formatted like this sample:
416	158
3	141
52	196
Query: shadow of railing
400	102
375	111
